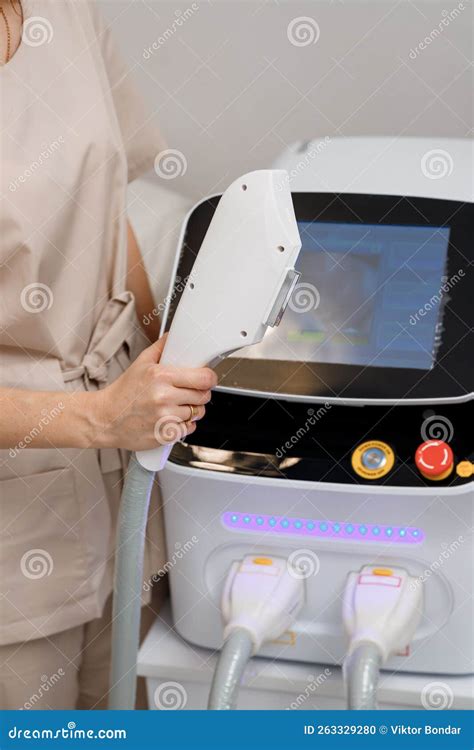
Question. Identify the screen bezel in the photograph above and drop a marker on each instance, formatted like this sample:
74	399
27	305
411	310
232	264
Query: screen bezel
451	374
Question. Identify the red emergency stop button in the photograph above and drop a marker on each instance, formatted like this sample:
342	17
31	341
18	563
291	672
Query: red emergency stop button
434	459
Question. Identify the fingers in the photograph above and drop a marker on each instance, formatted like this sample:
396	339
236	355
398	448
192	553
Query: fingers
153	352
195	378
190	427
183	413
197	413
183	396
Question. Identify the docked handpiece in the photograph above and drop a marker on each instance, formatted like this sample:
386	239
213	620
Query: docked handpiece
241	280
382	608
262	598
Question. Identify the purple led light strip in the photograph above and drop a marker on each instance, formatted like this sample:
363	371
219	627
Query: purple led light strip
308	527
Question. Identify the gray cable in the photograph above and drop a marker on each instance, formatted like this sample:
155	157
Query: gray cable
233	659
128	584
361	674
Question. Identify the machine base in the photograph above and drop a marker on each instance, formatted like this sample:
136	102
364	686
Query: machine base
178	675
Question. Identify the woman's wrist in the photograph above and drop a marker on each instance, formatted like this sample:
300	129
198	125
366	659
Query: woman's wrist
96	420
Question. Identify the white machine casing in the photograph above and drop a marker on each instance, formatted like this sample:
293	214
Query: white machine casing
196	499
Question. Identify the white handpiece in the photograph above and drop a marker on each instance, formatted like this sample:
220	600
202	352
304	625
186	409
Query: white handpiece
241	280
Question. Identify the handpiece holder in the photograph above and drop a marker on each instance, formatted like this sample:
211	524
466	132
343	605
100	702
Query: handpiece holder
241	280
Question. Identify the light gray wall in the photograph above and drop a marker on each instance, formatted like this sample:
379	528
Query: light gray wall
230	90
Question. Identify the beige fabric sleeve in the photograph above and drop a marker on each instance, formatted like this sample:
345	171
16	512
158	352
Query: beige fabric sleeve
142	138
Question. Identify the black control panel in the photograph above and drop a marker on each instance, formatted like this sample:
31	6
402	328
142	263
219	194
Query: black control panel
409	446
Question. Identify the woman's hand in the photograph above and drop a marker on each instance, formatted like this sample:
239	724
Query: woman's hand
149	404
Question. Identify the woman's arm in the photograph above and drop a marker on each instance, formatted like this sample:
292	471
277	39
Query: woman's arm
47	419
130	413
138	284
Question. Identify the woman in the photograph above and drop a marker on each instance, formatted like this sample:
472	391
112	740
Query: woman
71	403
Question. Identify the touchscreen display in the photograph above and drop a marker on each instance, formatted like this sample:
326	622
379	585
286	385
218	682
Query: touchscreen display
368	295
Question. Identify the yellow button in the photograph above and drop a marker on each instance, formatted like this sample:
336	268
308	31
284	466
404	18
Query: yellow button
262	561
465	469
382	572
373	459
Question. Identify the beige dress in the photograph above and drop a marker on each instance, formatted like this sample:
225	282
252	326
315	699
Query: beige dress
73	133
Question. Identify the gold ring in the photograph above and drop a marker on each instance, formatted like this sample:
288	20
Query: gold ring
193	413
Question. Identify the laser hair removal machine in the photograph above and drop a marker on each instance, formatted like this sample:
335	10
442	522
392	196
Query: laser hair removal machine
350	456
240	284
